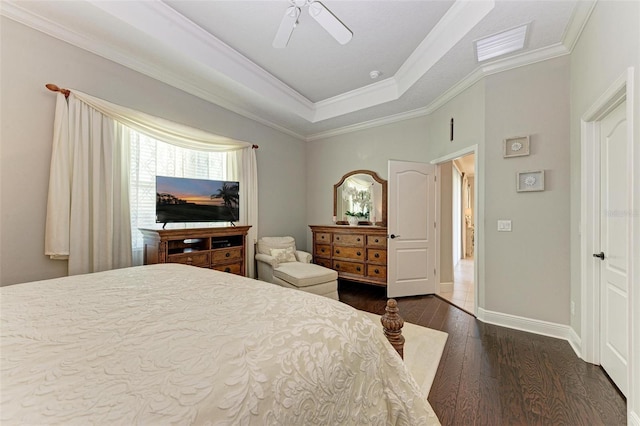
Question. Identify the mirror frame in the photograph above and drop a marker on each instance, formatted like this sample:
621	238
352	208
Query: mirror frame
374	175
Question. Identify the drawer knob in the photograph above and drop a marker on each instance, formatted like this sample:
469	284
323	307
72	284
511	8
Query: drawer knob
377	271
337	251
227	269
358	269
227	254
337	266
377	255
359	253
358	240
376	240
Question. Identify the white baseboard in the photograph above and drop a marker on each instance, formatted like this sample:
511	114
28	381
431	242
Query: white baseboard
576	342
543	328
446	287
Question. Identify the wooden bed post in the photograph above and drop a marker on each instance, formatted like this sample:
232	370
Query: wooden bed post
392	324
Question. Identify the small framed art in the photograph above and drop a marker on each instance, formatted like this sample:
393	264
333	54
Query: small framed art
530	181
516	147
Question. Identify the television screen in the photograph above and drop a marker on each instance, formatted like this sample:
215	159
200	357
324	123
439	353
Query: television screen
196	200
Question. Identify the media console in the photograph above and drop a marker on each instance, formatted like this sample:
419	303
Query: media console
223	249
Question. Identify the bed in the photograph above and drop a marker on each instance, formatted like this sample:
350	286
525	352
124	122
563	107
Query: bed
175	344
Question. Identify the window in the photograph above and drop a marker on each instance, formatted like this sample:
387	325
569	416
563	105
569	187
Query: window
150	157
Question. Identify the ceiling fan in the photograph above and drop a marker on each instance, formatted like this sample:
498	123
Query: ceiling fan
320	13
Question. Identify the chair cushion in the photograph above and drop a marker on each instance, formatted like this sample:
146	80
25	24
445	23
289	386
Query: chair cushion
284	255
265	244
304	274
328	289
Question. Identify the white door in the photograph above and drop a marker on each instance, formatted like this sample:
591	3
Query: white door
614	244
411	218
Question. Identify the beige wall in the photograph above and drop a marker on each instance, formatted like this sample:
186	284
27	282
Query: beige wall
446	222
531	100
527	270
29	60
329	159
599	58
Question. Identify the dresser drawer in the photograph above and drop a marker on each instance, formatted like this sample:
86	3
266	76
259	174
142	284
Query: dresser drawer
349	267
233	268
377	272
323	237
323	250
324	262
226	255
377	240
348	239
356	253
195	259
377	256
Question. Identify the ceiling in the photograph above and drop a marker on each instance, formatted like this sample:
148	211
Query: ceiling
221	51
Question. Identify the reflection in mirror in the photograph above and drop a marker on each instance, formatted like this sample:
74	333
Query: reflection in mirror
362	195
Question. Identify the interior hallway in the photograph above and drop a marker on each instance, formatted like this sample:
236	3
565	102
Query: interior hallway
463	293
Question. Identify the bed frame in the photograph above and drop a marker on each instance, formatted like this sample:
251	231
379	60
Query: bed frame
392	324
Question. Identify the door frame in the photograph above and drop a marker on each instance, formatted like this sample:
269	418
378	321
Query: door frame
478	241
621	90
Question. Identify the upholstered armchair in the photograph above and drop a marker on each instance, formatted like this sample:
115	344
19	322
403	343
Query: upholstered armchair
279	262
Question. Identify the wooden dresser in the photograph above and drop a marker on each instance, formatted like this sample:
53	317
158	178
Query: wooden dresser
358	253
223	249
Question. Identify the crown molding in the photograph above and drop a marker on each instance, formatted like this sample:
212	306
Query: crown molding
454	25
37	22
523	59
472	78
461	18
214	54
195	43
420	112
579	19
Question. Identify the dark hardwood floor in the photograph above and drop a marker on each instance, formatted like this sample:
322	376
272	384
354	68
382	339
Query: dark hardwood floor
490	375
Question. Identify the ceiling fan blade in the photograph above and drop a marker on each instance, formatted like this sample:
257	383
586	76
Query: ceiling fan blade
288	23
329	22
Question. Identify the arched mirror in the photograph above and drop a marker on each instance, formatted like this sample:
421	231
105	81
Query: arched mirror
362	195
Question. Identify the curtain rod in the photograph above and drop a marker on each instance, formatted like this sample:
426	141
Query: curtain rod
67	92
54	88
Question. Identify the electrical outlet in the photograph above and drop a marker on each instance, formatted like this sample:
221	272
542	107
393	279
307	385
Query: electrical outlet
504	225
573	308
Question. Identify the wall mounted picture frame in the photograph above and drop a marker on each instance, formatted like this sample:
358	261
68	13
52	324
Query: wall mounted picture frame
530	181
516	147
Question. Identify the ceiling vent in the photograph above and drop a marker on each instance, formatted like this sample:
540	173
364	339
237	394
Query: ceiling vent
501	43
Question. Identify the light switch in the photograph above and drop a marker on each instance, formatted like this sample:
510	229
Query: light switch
504	225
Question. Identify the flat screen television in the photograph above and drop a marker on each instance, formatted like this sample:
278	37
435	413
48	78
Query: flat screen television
196	200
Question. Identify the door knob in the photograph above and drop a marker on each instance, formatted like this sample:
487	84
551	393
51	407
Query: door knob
600	255
392	236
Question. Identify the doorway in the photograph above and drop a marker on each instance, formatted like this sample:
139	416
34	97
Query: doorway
606	251
457	232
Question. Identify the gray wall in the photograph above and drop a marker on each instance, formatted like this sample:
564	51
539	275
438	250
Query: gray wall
31	59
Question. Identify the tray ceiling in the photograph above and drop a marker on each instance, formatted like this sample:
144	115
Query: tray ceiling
221	51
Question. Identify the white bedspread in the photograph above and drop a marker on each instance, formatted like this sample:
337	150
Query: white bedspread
174	344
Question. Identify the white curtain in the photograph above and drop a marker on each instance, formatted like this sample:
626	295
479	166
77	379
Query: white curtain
88	209
88	218
243	166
